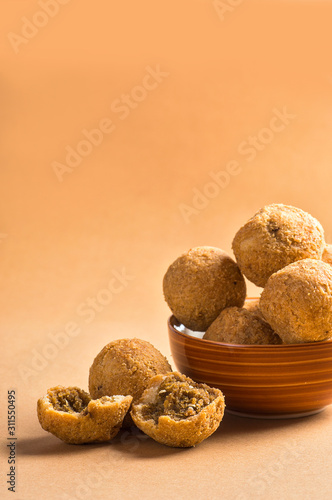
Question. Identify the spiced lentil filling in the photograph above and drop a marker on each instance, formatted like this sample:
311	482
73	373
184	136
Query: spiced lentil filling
69	400
178	399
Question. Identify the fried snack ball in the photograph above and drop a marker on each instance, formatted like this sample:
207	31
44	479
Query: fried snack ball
236	325
200	284
125	366
71	415
274	237
327	255
297	301
176	411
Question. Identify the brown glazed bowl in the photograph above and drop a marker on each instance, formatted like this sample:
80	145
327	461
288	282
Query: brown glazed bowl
272	381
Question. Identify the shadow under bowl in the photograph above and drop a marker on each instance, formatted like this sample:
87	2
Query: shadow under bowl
262	381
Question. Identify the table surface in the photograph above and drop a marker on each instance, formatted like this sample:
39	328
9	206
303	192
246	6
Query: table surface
194	115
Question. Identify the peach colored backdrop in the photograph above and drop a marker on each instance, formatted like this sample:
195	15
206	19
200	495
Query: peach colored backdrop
131	131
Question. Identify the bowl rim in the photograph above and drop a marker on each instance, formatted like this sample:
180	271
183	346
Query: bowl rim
303	345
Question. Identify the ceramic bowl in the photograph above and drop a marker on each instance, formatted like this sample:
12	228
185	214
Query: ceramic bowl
266	381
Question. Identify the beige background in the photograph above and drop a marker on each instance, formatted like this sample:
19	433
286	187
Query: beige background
121	210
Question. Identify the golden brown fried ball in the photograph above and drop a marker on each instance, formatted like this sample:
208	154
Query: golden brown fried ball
327	255
200	284
125	366
176	411
274	237
239	326
71	415
297	301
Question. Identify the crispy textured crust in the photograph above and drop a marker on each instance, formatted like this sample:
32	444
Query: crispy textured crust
99	420
125	366
173	431
297	301
200	284
327	254
239	326
274	237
